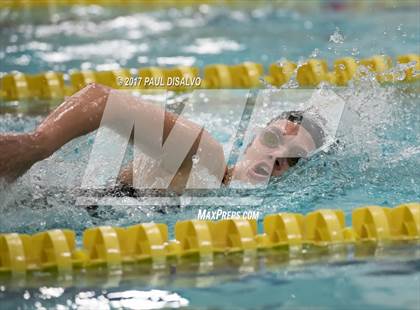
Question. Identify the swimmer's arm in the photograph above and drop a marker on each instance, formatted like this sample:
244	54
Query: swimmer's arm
83	112
78	115
181	139
211	154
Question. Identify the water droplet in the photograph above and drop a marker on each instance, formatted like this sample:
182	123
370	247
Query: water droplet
195	159
315	53
354	51
337	37
26	295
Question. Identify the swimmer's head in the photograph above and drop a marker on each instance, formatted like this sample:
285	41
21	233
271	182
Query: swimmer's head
285	139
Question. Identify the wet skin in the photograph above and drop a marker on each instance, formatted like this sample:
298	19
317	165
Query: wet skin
267	155
82	113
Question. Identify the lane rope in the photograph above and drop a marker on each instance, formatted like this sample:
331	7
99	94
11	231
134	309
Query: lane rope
113	246
57	85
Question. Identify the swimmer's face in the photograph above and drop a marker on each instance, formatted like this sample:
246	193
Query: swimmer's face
274	150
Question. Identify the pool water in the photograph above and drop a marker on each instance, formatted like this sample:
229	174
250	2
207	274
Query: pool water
376	161
387	281
91	37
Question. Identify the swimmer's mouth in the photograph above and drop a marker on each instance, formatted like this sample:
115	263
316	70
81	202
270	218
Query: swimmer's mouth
260	172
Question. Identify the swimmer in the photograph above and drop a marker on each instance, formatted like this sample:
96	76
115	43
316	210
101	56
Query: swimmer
81	114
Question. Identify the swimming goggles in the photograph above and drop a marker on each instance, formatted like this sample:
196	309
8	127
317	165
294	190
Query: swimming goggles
272	137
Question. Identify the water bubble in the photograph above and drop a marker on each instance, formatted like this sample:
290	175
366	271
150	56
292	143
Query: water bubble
315	53
337	37
26	295
398	72
195	159
355	51
281	61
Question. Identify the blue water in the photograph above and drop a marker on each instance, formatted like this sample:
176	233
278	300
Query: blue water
100	38
376	161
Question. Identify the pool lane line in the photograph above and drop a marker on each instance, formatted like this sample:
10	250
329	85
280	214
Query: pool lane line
248	75
109	247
